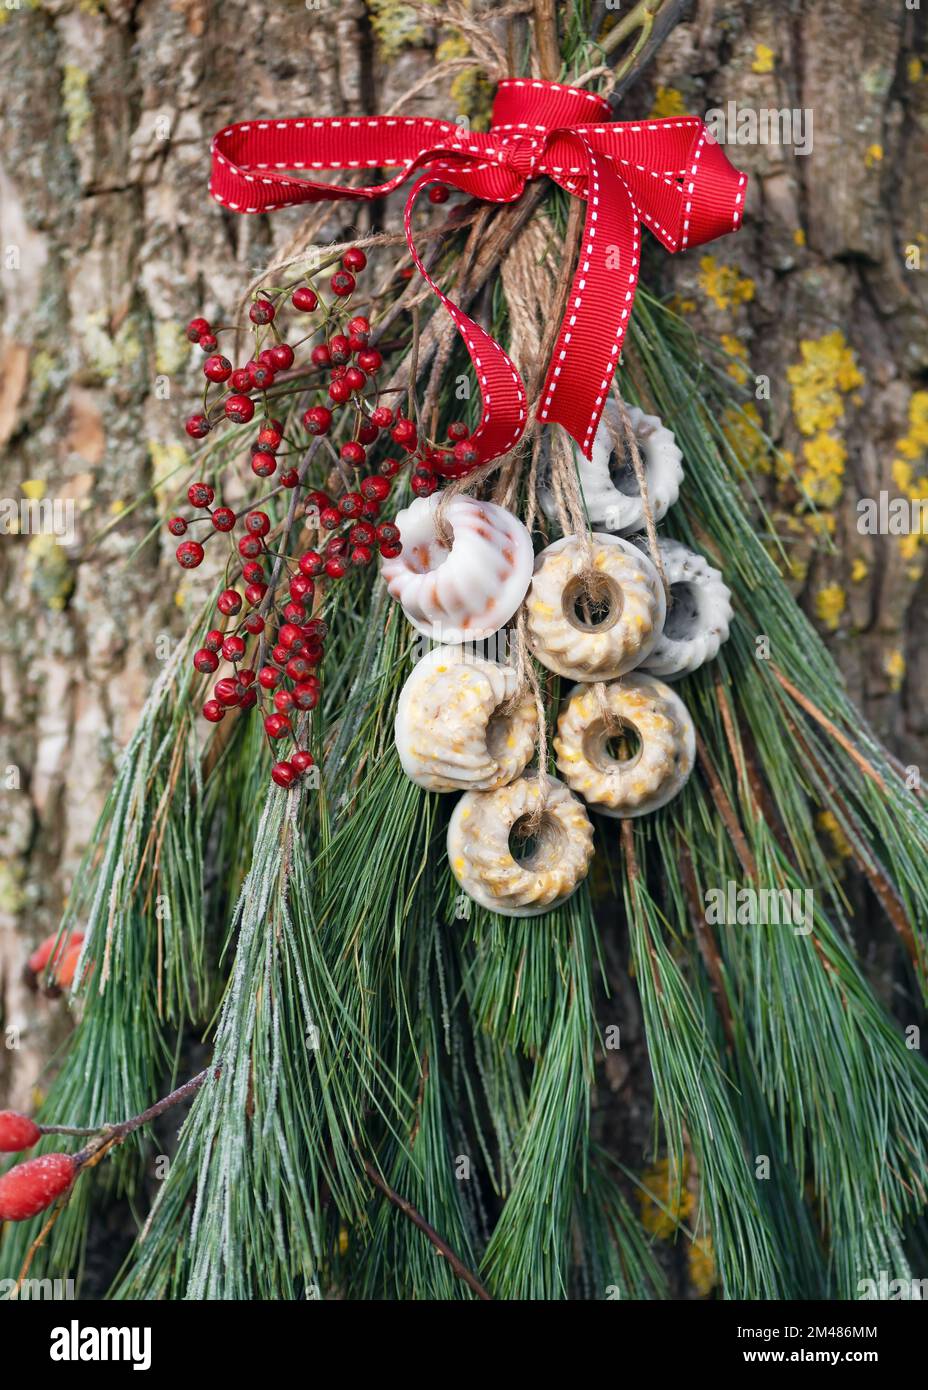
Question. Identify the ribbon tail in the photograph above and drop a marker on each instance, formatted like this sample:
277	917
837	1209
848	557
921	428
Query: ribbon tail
598	308
504	405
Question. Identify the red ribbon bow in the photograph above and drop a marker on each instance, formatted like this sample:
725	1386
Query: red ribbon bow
669	174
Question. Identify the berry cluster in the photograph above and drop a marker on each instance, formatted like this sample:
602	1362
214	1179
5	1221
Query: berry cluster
274	635
58	958
32	1186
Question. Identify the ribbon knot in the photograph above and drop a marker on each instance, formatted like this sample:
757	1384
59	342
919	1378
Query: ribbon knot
669	174
523	152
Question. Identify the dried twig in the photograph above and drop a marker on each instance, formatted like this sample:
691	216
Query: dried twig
418	1220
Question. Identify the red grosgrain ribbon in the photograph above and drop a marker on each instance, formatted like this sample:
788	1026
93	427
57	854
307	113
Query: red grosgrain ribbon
669	174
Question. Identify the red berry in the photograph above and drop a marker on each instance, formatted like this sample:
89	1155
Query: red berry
390	467
269	436
208	342
361	555
294	612
263	464
370	360
299	667
320	355
283	701
442	461
317	420
339	349
262	376
32	1186
284	774
316	628
250	547
375	488
388	532
205	661
335	545
336	567
351	504
280	654
404	433
310	562
53	945
329	518
289	478
438	193
228	692
300	587
196	328
352	453
229	602
268	677
213	711
423	483
217	368
304	299
390	552
254	623
223	518
197	426
240	380
339	391
354	259
239	409
317	499
200	494
262	311
276	725
465	454
355	379
458	430
258	523
302	760
249	700
189	554
177	526
342	283
252	573
359	326
254	593
291	638
282	356
17	1132
371	510
214	639
382	417
306	693
368	432
233	648
362	533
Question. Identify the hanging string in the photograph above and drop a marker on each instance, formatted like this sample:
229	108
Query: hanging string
631	441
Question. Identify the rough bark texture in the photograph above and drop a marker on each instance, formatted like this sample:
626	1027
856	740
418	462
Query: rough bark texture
110	243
